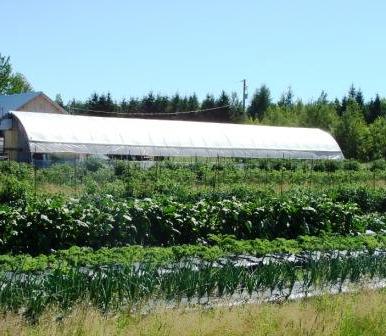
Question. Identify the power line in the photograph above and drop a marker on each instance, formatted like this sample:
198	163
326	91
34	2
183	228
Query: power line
151	113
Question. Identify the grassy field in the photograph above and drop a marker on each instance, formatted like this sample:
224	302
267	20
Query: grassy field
349	314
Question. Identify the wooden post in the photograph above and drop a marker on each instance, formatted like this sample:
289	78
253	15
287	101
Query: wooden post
75	174
312	169
216	172
374	179
35	172
282	177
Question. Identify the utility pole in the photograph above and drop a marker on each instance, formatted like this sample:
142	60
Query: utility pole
245	94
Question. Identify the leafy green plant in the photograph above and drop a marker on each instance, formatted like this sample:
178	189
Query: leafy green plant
13	190
43	224
113	286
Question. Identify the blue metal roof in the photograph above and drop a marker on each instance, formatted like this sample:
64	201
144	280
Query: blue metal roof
15	101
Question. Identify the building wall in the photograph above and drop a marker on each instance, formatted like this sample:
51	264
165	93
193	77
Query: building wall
40	104
16	144
15	141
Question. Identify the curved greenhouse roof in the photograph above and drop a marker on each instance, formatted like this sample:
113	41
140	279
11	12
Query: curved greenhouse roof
58	133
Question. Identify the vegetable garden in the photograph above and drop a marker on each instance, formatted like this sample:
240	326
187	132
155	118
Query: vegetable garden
117	235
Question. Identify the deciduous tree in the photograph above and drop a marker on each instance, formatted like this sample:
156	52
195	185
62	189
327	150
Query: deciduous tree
11	83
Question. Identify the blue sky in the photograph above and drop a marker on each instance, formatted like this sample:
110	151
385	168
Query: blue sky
132	47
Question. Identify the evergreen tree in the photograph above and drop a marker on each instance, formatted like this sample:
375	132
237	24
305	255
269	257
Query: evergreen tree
374	110
124	106
261	100
359	98
352	92
286	99
175	103
134	105
353	134
337	106
148	103
193	103
59	100
102	103
223	114
208	102
323	98
92	102
110	106
184	104
343	106
161	104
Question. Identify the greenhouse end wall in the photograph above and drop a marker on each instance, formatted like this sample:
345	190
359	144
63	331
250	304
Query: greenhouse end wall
16	144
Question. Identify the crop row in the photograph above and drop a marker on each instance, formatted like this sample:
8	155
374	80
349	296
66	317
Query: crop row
219	247
126	179
120	167
47	224
186	184
113	287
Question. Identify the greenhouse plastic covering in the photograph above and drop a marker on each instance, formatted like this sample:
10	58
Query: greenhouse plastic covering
58	133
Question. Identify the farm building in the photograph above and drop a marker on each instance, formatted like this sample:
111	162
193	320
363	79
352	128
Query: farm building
84	135
29	101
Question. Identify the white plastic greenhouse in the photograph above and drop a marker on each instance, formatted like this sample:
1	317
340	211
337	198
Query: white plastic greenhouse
58	133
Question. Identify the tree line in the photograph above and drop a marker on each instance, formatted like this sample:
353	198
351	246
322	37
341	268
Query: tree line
359	126
224	108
